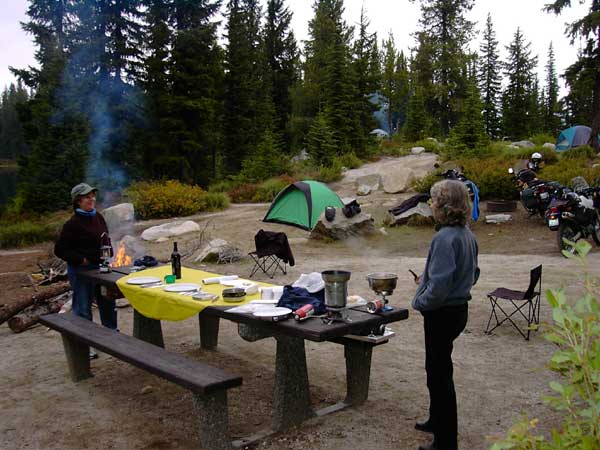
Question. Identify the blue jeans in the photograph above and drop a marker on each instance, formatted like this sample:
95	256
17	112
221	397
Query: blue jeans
84	292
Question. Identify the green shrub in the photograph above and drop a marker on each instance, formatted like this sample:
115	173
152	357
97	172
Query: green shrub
576	333
24	233
328	174
267	191
566	169
580	152
350	161
223	185
424	184
491	177
541	138
214	201
161	199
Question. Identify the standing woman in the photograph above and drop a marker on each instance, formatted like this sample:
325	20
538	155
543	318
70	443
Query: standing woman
444	290
79	245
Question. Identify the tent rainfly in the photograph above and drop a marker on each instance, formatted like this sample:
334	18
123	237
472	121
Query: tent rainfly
573	137
301	203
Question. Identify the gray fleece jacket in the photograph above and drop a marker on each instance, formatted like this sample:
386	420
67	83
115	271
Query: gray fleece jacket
450	271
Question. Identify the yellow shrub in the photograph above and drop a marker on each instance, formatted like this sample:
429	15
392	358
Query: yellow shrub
161	199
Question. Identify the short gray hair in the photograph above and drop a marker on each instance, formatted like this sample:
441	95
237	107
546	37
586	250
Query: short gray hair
450	203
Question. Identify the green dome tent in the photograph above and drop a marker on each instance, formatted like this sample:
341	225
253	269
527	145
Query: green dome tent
301	203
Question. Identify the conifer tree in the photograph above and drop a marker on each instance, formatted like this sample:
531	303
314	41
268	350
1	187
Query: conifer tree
247	105
417	123
194	115
551	105
588	63
490	78
12	140
320	141
517	102
577	104
368	80
282	57
448	33
329	82
55	132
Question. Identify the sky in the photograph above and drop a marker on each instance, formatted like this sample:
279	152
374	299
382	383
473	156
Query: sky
397	16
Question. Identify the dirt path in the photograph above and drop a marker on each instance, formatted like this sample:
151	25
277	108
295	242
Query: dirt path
497	377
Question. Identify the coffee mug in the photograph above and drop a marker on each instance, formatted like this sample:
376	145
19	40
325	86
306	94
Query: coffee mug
170	279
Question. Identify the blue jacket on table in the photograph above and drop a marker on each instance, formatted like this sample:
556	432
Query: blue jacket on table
450	271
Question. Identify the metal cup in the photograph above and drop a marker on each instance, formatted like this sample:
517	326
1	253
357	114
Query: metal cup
336	288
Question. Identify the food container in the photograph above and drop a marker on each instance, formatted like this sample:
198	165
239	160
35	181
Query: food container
382	283
233	294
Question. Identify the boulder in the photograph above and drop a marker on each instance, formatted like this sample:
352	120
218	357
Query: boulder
363	189
549	145
417	150
342	227
302	155
498	218
422	209
119	216
218	250
170	229
373	181
396	179
524	144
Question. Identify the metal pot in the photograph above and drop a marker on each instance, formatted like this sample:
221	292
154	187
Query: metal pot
233	293
336	288
382	283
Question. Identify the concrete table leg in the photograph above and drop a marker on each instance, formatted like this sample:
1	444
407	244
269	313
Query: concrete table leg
291	403
78	358
148	330
213	420
209	332
358	371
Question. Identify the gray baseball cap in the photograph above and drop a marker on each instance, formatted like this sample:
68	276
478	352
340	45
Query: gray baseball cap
81	189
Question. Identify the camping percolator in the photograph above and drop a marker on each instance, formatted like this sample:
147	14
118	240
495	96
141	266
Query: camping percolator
336	288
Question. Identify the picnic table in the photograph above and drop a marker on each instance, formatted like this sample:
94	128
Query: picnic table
291	403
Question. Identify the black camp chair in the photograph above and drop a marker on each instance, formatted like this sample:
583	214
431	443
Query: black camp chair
272	252
526	303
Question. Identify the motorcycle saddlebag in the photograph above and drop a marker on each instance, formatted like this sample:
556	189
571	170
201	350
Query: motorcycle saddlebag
528	198
584	215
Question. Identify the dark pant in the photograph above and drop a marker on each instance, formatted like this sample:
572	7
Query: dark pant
442	326
84	291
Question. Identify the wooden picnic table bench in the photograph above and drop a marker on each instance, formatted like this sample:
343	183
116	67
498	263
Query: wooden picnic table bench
208	384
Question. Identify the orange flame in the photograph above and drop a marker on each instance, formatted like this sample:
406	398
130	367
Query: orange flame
121	258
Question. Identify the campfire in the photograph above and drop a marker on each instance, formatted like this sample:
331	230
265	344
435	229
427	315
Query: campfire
121	257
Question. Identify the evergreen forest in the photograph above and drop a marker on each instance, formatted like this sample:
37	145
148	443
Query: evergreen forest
208	90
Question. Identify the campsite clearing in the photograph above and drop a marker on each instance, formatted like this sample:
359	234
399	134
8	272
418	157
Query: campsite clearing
122	408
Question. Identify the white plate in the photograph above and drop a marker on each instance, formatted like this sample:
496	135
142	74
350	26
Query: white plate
275	314
143	280
181	287
265	302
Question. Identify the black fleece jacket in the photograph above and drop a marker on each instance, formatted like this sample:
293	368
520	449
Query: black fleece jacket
80	238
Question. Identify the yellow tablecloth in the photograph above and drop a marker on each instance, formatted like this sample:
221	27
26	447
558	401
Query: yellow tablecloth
155	303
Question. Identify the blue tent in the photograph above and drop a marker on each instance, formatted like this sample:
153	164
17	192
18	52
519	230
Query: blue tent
572	137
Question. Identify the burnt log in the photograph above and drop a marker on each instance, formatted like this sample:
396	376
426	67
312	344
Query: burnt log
9	310
30	315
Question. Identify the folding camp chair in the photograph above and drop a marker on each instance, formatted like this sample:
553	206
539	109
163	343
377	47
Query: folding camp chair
272	252
526	303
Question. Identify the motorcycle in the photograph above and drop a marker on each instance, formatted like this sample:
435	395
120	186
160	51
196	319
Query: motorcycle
574	216
535	194
455	174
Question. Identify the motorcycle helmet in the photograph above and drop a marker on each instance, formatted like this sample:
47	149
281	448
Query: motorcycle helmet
330	213
536	157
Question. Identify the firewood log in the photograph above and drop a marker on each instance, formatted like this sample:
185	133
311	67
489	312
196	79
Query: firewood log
30	315
9	310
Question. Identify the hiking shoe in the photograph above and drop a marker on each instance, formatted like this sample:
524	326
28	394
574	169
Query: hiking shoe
93	354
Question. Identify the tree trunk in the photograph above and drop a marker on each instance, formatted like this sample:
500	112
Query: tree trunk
7	311
30	315
595	114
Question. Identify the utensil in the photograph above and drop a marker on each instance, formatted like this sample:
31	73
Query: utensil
336	288
144	280
181	287
152	286
275	314
204	296
382	282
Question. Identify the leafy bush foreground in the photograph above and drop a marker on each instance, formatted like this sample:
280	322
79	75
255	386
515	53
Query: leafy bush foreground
576	333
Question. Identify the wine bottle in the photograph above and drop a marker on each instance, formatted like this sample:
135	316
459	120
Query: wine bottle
176	262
